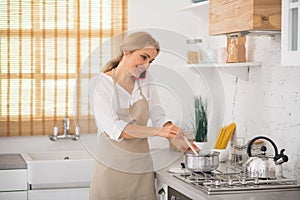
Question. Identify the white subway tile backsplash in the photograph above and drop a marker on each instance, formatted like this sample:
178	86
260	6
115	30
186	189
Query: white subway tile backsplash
269	103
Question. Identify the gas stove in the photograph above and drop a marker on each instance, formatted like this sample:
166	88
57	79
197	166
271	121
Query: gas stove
233	180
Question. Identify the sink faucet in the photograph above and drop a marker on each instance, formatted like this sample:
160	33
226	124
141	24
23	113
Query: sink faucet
66	133
66	126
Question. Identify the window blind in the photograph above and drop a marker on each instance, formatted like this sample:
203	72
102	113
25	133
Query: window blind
43	44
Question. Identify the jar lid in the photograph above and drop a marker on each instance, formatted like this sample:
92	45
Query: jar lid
194	41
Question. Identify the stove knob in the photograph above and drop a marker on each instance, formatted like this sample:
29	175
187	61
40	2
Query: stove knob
243	181
230	182
174	198
217	183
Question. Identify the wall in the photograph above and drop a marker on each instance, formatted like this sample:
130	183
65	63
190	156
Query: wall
267	104
160	14
172	26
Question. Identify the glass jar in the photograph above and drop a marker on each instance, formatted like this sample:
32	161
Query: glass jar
194	54
239	156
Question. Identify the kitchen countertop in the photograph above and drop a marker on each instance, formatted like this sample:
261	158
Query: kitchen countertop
12	161
167	178
164	159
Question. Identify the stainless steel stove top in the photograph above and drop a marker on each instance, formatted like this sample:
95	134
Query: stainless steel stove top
233	180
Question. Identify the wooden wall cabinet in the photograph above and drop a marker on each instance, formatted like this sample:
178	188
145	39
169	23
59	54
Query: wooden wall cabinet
229	16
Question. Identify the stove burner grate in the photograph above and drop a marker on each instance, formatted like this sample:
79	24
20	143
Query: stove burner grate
217	182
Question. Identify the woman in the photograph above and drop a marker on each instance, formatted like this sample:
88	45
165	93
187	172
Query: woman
123	103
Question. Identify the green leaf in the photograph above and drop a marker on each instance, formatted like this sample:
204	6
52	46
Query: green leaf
200	119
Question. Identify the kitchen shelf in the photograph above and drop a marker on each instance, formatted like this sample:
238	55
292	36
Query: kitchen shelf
224	65
240	70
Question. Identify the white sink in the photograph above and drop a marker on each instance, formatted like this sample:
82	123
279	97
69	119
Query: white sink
59	168
59	155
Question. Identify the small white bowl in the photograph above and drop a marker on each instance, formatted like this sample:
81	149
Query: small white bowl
224	154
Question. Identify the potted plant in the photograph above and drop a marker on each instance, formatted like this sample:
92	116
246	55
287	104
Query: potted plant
200	119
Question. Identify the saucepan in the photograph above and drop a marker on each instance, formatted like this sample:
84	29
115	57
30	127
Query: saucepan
205	161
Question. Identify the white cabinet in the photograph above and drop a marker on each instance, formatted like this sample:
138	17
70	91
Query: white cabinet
13	180
13	184
290	38
19	195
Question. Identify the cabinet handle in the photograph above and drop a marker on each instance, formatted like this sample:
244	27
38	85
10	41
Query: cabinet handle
162	194
161	191
264	18
174	198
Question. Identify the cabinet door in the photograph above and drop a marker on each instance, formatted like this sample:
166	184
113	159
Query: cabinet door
290	36
229	16
13	180
59	194
20	195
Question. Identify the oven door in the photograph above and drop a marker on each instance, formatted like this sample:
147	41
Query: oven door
175	195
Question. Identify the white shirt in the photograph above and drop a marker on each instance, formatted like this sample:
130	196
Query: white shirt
104	103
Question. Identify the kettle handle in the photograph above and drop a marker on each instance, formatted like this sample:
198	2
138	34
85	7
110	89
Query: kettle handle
261	137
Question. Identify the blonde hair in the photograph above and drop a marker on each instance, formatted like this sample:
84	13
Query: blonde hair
131	43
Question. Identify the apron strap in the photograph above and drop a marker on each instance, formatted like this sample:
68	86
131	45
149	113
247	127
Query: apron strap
140	88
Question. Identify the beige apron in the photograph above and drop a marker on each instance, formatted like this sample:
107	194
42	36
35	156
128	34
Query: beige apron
124	170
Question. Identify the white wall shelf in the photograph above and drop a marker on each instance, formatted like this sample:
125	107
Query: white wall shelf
240	70
225	65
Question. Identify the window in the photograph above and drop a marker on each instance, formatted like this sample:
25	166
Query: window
43	43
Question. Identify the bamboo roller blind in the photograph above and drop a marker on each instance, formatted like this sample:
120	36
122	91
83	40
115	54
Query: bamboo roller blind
43	44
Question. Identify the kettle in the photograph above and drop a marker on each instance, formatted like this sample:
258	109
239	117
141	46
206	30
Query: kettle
262	166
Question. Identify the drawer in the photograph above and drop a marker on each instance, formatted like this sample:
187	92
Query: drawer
20	195
13	180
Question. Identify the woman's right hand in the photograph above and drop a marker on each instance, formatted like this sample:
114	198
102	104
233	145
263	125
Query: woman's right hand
170	131
175	136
